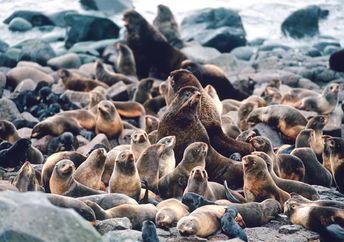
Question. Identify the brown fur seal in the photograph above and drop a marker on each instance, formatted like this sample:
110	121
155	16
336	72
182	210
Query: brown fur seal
143	90
148	165
150	48
75	82
110	78
315	173
167	162
125	177
174	184
181	120
258	183
155	105
229	127
62	181
288	120
198	183
151	123
170	211
246	107
51	161
108	120
213	94
9	132
215	76
326	153
89	173
168	26
125	62
336	148
317	123
27	179
286	184
323	103
109	200
139	142
137	214
129	109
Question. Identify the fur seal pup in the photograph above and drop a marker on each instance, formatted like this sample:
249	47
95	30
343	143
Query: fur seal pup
288	185
143	90
27	179
258	183
213	94
75	82
125	62
109	200
318	219
149	232
108	120
198	183
288	120
65	142
230	227
317	123
51	161
167	161
168	26
62	181
215	76
110	78
315	173
89	173
174	183
150	48
139	142
148	165
229	127
125	177
336	148
323	103
68	202
16	155
137	214
170	211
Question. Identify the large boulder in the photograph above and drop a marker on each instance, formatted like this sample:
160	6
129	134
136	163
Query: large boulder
84	28
115	6
303	22
36	18
31	217
19	24
35	50
69	60
8	110
18	74
220	28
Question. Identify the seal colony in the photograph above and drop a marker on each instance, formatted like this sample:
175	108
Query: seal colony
181	146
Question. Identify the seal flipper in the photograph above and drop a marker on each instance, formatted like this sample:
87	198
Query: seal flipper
229	195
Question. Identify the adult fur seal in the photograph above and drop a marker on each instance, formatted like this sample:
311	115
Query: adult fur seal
27	179
258	183
125	177
170	211
150	48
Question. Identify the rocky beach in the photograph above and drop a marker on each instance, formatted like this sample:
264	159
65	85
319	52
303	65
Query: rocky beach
97	118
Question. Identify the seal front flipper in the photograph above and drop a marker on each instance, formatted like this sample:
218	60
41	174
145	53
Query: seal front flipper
229	195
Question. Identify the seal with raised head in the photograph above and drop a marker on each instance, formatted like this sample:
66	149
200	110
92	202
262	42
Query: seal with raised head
167	161
125	62
125	177
139	142
258	183
27	179
336	148
143	90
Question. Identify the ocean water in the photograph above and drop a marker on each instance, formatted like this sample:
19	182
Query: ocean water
261	18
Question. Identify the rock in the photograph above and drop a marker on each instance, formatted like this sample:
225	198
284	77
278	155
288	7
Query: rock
199	53
308	84
84	27
123	235
69	60
92	47
25	85
19	24
35	65
336	61
290	229
272	46
85	59
115	6
54	223
219	28
321	45
99	139
108	225
59	18
227	62
77	97
35	50
18	74
8	110
118	92
257	42
329	50
3	46
28	116
34	17
311	52
25	133
243	53
333	127
7	61
326	193
304	22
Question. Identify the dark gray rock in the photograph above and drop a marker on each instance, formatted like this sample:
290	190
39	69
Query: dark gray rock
3	46
289	229
36	18
21	211
273	46
115	6
19	24
59	18
108	225
123	235
7	61
257	42
8	110
84	28
35	50
219	28
311	52
118	92
329	50
198	53
303	22
321	45
243	53
69	60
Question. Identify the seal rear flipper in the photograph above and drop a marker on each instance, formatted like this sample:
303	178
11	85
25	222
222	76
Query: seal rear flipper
229	194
